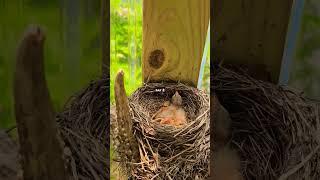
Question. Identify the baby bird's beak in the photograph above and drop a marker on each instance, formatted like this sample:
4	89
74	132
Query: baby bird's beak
176	99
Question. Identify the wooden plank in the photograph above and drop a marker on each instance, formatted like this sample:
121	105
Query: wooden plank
174	33
251	32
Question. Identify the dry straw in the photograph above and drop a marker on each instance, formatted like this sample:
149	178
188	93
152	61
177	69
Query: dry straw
166	152
275	129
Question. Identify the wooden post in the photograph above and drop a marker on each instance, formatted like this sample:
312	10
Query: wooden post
251	33
174	33
40	145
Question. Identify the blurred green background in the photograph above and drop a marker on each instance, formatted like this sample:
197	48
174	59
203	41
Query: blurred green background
72	47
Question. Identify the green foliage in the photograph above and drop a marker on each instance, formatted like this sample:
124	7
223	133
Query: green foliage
126	43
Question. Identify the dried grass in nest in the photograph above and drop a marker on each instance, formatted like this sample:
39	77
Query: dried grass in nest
85	130
275	130
166	152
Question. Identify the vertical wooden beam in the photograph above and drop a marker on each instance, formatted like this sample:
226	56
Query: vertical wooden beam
251	32
40	146
174	33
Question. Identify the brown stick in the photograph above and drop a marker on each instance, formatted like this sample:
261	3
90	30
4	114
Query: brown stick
124	121
105	31
39	142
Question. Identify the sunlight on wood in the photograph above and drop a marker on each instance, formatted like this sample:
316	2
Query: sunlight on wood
174	34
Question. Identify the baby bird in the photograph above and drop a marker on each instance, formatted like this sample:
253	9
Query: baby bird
171	113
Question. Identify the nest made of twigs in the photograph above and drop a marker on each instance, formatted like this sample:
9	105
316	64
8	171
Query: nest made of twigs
275	130
84	127
166	152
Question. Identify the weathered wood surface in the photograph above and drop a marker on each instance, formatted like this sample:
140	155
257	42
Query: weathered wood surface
40	145
251	32
174	33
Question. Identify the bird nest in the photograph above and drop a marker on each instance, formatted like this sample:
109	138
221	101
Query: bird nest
84	127
275	130
165	151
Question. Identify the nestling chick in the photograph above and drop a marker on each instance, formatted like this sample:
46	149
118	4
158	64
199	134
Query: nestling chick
176	99
171	113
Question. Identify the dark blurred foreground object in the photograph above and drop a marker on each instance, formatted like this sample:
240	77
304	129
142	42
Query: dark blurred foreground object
40	146
73	144
275	130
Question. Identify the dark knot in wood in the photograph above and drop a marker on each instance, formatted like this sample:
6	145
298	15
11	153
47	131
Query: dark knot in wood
156	58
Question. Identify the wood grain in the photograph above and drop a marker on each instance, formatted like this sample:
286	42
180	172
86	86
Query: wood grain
251	32
174	33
